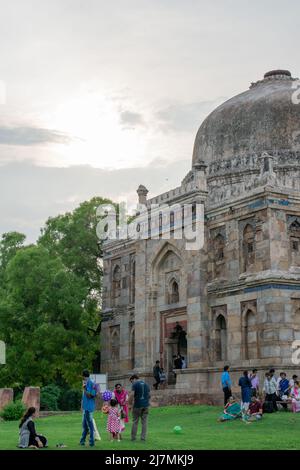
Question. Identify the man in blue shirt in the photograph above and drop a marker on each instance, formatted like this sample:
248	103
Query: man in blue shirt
226	384
140	406
88	406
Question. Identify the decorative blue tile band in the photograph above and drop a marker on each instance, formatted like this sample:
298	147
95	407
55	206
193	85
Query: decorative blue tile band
272	286
263	202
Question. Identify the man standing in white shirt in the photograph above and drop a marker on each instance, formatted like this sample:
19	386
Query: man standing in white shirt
270	390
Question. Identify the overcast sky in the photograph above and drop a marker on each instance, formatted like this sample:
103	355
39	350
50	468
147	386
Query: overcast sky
97	97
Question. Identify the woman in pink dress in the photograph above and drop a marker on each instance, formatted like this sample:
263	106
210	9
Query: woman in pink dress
295	394
121	395
114	421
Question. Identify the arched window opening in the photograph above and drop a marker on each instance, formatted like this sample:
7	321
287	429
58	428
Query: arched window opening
296	324
294	235
132	282
174	292
250	335
115	345
248	246
116	284
221	338
132	346
219	256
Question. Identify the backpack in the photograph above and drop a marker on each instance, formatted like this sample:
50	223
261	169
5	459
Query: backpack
96	388
268	407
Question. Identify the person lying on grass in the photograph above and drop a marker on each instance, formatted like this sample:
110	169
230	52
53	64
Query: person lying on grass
231	411
27	433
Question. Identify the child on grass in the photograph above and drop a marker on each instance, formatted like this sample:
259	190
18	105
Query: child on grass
114	420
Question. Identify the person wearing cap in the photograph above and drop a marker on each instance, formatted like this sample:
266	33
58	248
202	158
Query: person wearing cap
88	406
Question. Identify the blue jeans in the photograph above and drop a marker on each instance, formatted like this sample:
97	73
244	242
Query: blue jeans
87	426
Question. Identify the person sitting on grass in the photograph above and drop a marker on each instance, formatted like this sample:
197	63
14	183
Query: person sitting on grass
255	410
27	433
114	420
231	411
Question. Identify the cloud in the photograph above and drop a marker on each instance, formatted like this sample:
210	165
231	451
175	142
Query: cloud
131	120
185	117
29	194
31	136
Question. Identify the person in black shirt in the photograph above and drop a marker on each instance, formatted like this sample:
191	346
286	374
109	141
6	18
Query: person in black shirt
178	362
156	374
140	409
28	436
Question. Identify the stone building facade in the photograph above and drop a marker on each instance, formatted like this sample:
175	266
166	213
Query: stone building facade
236	299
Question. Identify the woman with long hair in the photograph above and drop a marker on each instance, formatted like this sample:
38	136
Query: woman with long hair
27	433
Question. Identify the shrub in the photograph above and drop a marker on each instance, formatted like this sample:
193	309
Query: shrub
70	400
13	411
49	397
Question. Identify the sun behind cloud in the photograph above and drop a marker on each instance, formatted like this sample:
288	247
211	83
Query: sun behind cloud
100	137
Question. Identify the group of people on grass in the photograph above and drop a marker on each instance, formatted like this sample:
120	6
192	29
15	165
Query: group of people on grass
254	401
117	411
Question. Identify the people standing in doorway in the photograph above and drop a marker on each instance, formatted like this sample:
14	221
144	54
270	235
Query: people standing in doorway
226	384
245	384
88	407
178	362
156	374
183	366
140	409
254	383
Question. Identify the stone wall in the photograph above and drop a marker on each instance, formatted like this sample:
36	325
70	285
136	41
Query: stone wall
31	398
6	396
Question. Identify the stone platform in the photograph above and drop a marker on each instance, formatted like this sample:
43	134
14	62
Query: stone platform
175	397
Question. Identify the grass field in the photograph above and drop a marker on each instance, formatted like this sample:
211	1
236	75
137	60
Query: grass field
200	430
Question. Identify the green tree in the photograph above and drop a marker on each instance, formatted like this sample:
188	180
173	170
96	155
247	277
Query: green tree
44	320
72	237
10	243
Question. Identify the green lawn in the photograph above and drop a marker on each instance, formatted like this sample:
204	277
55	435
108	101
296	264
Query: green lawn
200	430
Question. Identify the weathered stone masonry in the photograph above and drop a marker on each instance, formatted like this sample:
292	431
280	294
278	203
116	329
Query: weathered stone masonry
236	300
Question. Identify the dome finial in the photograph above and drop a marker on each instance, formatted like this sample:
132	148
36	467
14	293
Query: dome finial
278	73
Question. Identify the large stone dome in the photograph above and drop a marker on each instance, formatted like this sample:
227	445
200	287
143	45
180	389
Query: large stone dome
262	119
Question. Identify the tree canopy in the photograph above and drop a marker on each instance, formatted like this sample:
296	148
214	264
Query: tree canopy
50	299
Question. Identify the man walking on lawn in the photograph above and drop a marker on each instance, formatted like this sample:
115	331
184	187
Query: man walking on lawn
140	407
88	406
